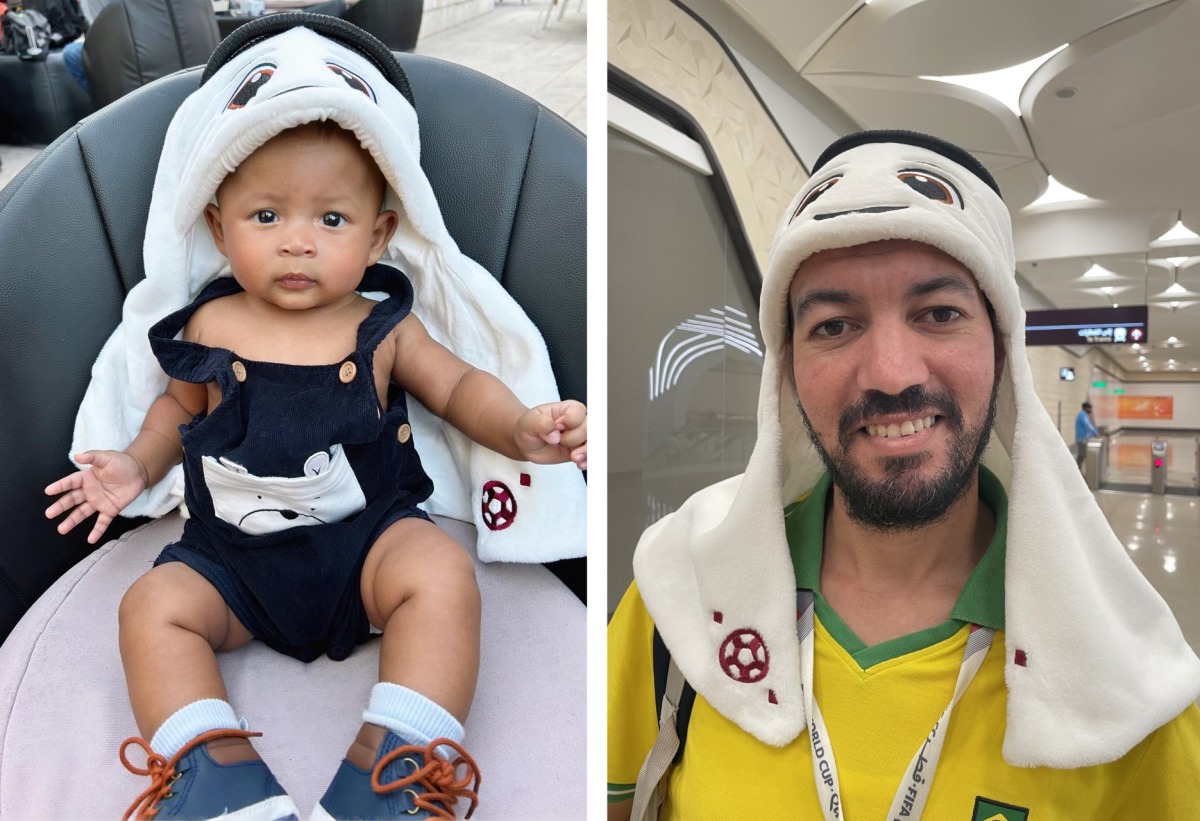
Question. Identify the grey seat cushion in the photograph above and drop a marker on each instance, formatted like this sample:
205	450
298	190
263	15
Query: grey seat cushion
64	710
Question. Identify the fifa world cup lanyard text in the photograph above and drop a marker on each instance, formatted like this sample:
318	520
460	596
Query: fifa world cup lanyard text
913	792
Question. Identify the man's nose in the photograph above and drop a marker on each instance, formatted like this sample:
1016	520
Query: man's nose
893	358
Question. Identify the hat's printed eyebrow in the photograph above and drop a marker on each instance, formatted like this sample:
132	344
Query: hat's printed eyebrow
931	165
832	296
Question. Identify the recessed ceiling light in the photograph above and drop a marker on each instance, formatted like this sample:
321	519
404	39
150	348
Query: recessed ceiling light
1056	192
1179	231
1065	93
1172	339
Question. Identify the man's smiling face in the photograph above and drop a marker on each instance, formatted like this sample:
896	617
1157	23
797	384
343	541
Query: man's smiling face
896	370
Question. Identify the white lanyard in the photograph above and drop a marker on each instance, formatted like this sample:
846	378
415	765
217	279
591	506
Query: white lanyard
910	798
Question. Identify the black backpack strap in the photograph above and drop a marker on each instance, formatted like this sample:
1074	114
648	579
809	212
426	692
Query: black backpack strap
683	707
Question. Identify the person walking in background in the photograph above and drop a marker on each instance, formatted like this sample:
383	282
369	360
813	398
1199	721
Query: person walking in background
1083	429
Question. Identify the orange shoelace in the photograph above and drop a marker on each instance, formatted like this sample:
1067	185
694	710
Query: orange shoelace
162	772
439	777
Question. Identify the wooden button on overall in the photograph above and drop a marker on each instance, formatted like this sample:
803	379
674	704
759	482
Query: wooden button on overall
404	433
346	374
239	371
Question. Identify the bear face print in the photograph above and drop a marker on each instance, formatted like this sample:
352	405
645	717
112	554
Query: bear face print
327	492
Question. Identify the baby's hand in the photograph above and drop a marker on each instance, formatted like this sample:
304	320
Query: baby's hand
553	433
113	481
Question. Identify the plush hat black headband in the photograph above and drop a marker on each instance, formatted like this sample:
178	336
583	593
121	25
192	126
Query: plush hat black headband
333	28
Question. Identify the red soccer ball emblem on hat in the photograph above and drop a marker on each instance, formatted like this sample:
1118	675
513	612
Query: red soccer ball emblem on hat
499	506
744	657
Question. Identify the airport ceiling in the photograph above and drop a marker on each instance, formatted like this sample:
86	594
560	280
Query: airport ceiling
1115	116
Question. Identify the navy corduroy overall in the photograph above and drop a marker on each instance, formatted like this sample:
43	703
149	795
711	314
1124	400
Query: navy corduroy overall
293	476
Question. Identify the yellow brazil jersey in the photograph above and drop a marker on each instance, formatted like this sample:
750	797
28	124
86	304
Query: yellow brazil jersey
879	704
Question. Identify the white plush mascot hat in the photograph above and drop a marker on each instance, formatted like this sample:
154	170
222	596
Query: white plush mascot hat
1105	662
276	73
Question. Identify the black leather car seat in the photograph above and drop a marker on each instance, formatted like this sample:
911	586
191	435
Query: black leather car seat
134	42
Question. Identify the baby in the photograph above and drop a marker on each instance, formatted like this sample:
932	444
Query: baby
302	485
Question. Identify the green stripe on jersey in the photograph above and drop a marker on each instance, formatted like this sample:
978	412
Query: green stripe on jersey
620	792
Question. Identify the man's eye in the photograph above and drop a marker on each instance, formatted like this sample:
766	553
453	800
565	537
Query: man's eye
834	327
265	217
332	220
944	315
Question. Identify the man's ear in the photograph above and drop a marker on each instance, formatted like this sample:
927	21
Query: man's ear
212	216
1001	353
385	227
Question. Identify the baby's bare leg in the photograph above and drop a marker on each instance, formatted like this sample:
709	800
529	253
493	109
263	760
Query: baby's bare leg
172	621
418	586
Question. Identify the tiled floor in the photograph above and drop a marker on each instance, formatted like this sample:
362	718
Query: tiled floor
508	43
548	64
13	158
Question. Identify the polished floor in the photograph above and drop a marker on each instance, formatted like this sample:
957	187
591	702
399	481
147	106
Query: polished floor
1161	533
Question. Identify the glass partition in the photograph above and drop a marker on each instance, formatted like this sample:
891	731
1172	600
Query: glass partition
684	350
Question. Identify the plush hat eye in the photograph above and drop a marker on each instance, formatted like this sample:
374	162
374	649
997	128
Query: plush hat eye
256	79
931	185
353	80
814	194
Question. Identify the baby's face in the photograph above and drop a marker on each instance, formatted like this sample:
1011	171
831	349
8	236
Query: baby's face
299	219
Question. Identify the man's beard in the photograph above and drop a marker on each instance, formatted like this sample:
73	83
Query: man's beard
902	500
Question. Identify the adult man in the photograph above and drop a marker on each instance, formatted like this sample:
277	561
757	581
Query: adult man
921	589
1083	429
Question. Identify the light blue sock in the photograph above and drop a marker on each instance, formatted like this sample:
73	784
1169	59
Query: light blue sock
410	715
188	722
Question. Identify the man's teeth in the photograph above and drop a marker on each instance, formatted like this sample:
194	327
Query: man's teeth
905	428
